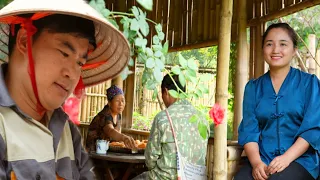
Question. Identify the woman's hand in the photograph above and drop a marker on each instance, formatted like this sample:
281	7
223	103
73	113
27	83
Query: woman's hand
129	142
259	171
278	164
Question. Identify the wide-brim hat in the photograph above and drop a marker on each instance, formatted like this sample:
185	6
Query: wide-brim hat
112	51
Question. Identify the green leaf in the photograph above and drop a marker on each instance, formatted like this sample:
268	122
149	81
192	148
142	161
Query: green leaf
126	22
174	93
150	63
205	90
145	77
101	5
124	73
113	22
131	62
105	12
140	42
161	36
165	48
144	27
192	73
158	28
135	12
202	128
155	94
182	61
155	39
158	54
147	4
192	64
183	96
176	70
134	25
157	74
199	93
149	51
193	118
157	47
159	64
93	4
182	79
151	84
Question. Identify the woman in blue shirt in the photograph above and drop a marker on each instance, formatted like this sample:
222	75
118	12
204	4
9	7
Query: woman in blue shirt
280	129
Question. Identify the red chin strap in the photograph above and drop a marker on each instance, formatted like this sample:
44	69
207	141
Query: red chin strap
26	23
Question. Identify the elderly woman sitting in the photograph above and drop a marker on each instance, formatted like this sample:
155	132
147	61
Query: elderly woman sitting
107	123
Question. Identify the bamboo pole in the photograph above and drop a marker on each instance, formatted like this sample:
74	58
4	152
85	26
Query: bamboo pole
84	110
242	66
220	144
88	109
312	49
285	11
252	52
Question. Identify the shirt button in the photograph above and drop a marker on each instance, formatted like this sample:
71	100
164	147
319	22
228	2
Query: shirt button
38	177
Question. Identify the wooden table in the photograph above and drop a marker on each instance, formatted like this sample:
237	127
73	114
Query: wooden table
106	161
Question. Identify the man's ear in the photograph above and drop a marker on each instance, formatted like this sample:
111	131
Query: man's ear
166	91
21	42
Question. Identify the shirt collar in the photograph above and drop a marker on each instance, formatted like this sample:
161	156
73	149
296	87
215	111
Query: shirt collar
5	99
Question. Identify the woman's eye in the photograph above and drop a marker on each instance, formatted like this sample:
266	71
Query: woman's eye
283	44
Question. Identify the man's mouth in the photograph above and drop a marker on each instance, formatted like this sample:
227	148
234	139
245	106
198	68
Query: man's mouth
62	86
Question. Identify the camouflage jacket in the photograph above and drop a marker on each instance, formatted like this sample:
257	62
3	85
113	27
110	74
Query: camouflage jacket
161	152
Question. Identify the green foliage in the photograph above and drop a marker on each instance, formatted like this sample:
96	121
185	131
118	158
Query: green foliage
136	29
141	122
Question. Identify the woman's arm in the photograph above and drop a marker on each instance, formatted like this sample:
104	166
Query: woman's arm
111	132
279	163
252	152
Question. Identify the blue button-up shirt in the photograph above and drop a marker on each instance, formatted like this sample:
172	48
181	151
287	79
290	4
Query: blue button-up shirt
275	121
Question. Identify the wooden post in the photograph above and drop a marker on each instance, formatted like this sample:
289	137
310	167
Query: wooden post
312	49
318	60
258	58
118	82
220	137
129	94
242	66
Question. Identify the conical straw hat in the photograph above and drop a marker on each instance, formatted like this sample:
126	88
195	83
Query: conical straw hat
113	49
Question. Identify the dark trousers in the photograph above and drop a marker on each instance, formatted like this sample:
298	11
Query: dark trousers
293	172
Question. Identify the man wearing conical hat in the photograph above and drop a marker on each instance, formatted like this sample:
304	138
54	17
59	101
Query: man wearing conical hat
55	48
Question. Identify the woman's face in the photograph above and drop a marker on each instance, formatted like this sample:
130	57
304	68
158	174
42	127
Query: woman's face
278	48
117	104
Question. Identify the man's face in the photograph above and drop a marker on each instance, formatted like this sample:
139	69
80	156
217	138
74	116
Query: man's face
58	59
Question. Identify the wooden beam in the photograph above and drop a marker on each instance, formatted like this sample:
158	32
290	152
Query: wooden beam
283	12
242	66
252	51
221	97
194	46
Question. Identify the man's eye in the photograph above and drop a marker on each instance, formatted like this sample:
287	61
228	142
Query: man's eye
80	63
64	54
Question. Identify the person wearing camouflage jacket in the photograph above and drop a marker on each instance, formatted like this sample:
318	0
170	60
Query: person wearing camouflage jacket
161	153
